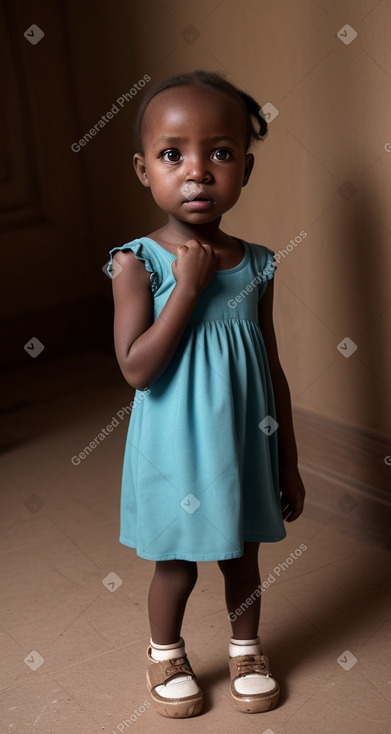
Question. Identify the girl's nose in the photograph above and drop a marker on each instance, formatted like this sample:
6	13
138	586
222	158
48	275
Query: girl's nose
198	171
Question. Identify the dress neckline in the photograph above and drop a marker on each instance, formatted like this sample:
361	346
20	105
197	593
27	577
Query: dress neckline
239	266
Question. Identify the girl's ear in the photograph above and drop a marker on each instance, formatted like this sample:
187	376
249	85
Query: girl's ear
139	167
248	167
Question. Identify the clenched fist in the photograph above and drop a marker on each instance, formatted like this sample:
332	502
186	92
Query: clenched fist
195	266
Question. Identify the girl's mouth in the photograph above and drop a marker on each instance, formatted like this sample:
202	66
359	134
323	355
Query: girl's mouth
198	204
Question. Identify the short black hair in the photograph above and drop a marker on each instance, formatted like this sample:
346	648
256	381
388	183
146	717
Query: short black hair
213	80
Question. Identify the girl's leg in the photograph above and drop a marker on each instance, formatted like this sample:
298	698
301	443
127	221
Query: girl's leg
171	585
242	578
253	689
170	679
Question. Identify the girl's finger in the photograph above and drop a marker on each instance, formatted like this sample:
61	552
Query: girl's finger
292	517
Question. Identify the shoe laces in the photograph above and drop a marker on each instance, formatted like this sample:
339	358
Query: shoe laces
178	665
253	664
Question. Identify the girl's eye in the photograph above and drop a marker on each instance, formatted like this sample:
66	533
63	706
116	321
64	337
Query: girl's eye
174	156
223	154
171	153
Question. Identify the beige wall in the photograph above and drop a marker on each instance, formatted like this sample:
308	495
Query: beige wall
334	105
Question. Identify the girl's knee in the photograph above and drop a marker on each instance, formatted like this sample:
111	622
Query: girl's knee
182	574
232	567
244	565
190	572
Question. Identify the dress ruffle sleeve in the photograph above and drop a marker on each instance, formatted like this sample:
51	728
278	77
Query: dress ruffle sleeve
141	253
267	267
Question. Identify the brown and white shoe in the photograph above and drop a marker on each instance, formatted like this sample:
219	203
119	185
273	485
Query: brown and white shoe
173	685
253	688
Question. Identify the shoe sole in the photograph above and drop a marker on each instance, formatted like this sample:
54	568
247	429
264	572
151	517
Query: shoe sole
175	708
255	704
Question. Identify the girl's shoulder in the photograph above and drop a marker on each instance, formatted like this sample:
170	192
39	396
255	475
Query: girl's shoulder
155	258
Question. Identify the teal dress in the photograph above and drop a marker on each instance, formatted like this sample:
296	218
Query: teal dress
200	471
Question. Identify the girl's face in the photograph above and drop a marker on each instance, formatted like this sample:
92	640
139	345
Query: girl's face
194	146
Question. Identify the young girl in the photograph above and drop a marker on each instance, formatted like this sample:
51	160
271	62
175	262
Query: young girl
210	465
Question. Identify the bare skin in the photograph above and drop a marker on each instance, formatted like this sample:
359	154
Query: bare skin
209	150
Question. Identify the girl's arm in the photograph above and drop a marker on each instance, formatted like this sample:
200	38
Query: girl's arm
145	348
291	485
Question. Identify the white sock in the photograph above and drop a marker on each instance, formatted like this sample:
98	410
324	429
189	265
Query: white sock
165	652
244	647
183	685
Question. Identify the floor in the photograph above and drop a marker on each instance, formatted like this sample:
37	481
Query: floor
73	623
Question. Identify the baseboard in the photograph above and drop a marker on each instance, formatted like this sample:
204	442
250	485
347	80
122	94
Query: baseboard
344	472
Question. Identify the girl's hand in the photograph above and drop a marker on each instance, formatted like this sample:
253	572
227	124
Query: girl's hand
194	266
292	494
